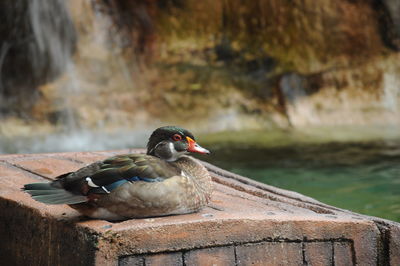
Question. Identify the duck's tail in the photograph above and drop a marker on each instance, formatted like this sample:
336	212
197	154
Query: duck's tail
46	193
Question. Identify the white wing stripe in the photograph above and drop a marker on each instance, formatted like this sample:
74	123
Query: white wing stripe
90	182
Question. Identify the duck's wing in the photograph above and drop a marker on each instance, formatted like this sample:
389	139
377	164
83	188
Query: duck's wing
101	178
104	176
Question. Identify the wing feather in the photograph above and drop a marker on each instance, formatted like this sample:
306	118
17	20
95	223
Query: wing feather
116	171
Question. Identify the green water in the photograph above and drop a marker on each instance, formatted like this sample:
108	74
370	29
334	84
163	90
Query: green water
360	176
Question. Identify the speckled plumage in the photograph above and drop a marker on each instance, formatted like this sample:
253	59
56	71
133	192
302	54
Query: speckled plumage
177	194
136	185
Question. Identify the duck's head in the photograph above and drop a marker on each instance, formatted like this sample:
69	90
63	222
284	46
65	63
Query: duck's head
170	142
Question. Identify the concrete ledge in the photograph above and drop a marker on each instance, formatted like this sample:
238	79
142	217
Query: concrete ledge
247	223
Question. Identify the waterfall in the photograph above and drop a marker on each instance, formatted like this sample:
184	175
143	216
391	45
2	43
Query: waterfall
74	58
97	72
391	91
54	34
37	41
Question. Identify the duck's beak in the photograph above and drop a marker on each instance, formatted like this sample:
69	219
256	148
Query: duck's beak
194	147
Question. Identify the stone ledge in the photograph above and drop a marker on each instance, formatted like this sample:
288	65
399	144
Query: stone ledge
246	223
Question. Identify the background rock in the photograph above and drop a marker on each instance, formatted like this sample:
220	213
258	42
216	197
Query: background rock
277	63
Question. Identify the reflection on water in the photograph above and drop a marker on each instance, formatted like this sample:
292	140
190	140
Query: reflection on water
362	177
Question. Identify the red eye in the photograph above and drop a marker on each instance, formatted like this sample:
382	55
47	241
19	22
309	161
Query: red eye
177	137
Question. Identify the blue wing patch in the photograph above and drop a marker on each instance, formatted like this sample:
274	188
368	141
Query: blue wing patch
114	185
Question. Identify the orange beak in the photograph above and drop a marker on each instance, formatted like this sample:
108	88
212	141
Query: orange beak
194	147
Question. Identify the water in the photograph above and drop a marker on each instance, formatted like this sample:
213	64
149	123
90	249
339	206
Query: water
360	176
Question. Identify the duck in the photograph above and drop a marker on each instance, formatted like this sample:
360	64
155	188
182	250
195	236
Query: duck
164	181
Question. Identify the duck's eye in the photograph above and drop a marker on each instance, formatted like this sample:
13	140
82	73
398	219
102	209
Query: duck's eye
177	137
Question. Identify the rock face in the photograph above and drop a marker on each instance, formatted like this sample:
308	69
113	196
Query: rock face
266	63
247	223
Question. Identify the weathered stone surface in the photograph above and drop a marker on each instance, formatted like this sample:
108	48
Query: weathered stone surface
394	245
246	222
275	253
164	259
343	254
221	256
131	261
318	253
